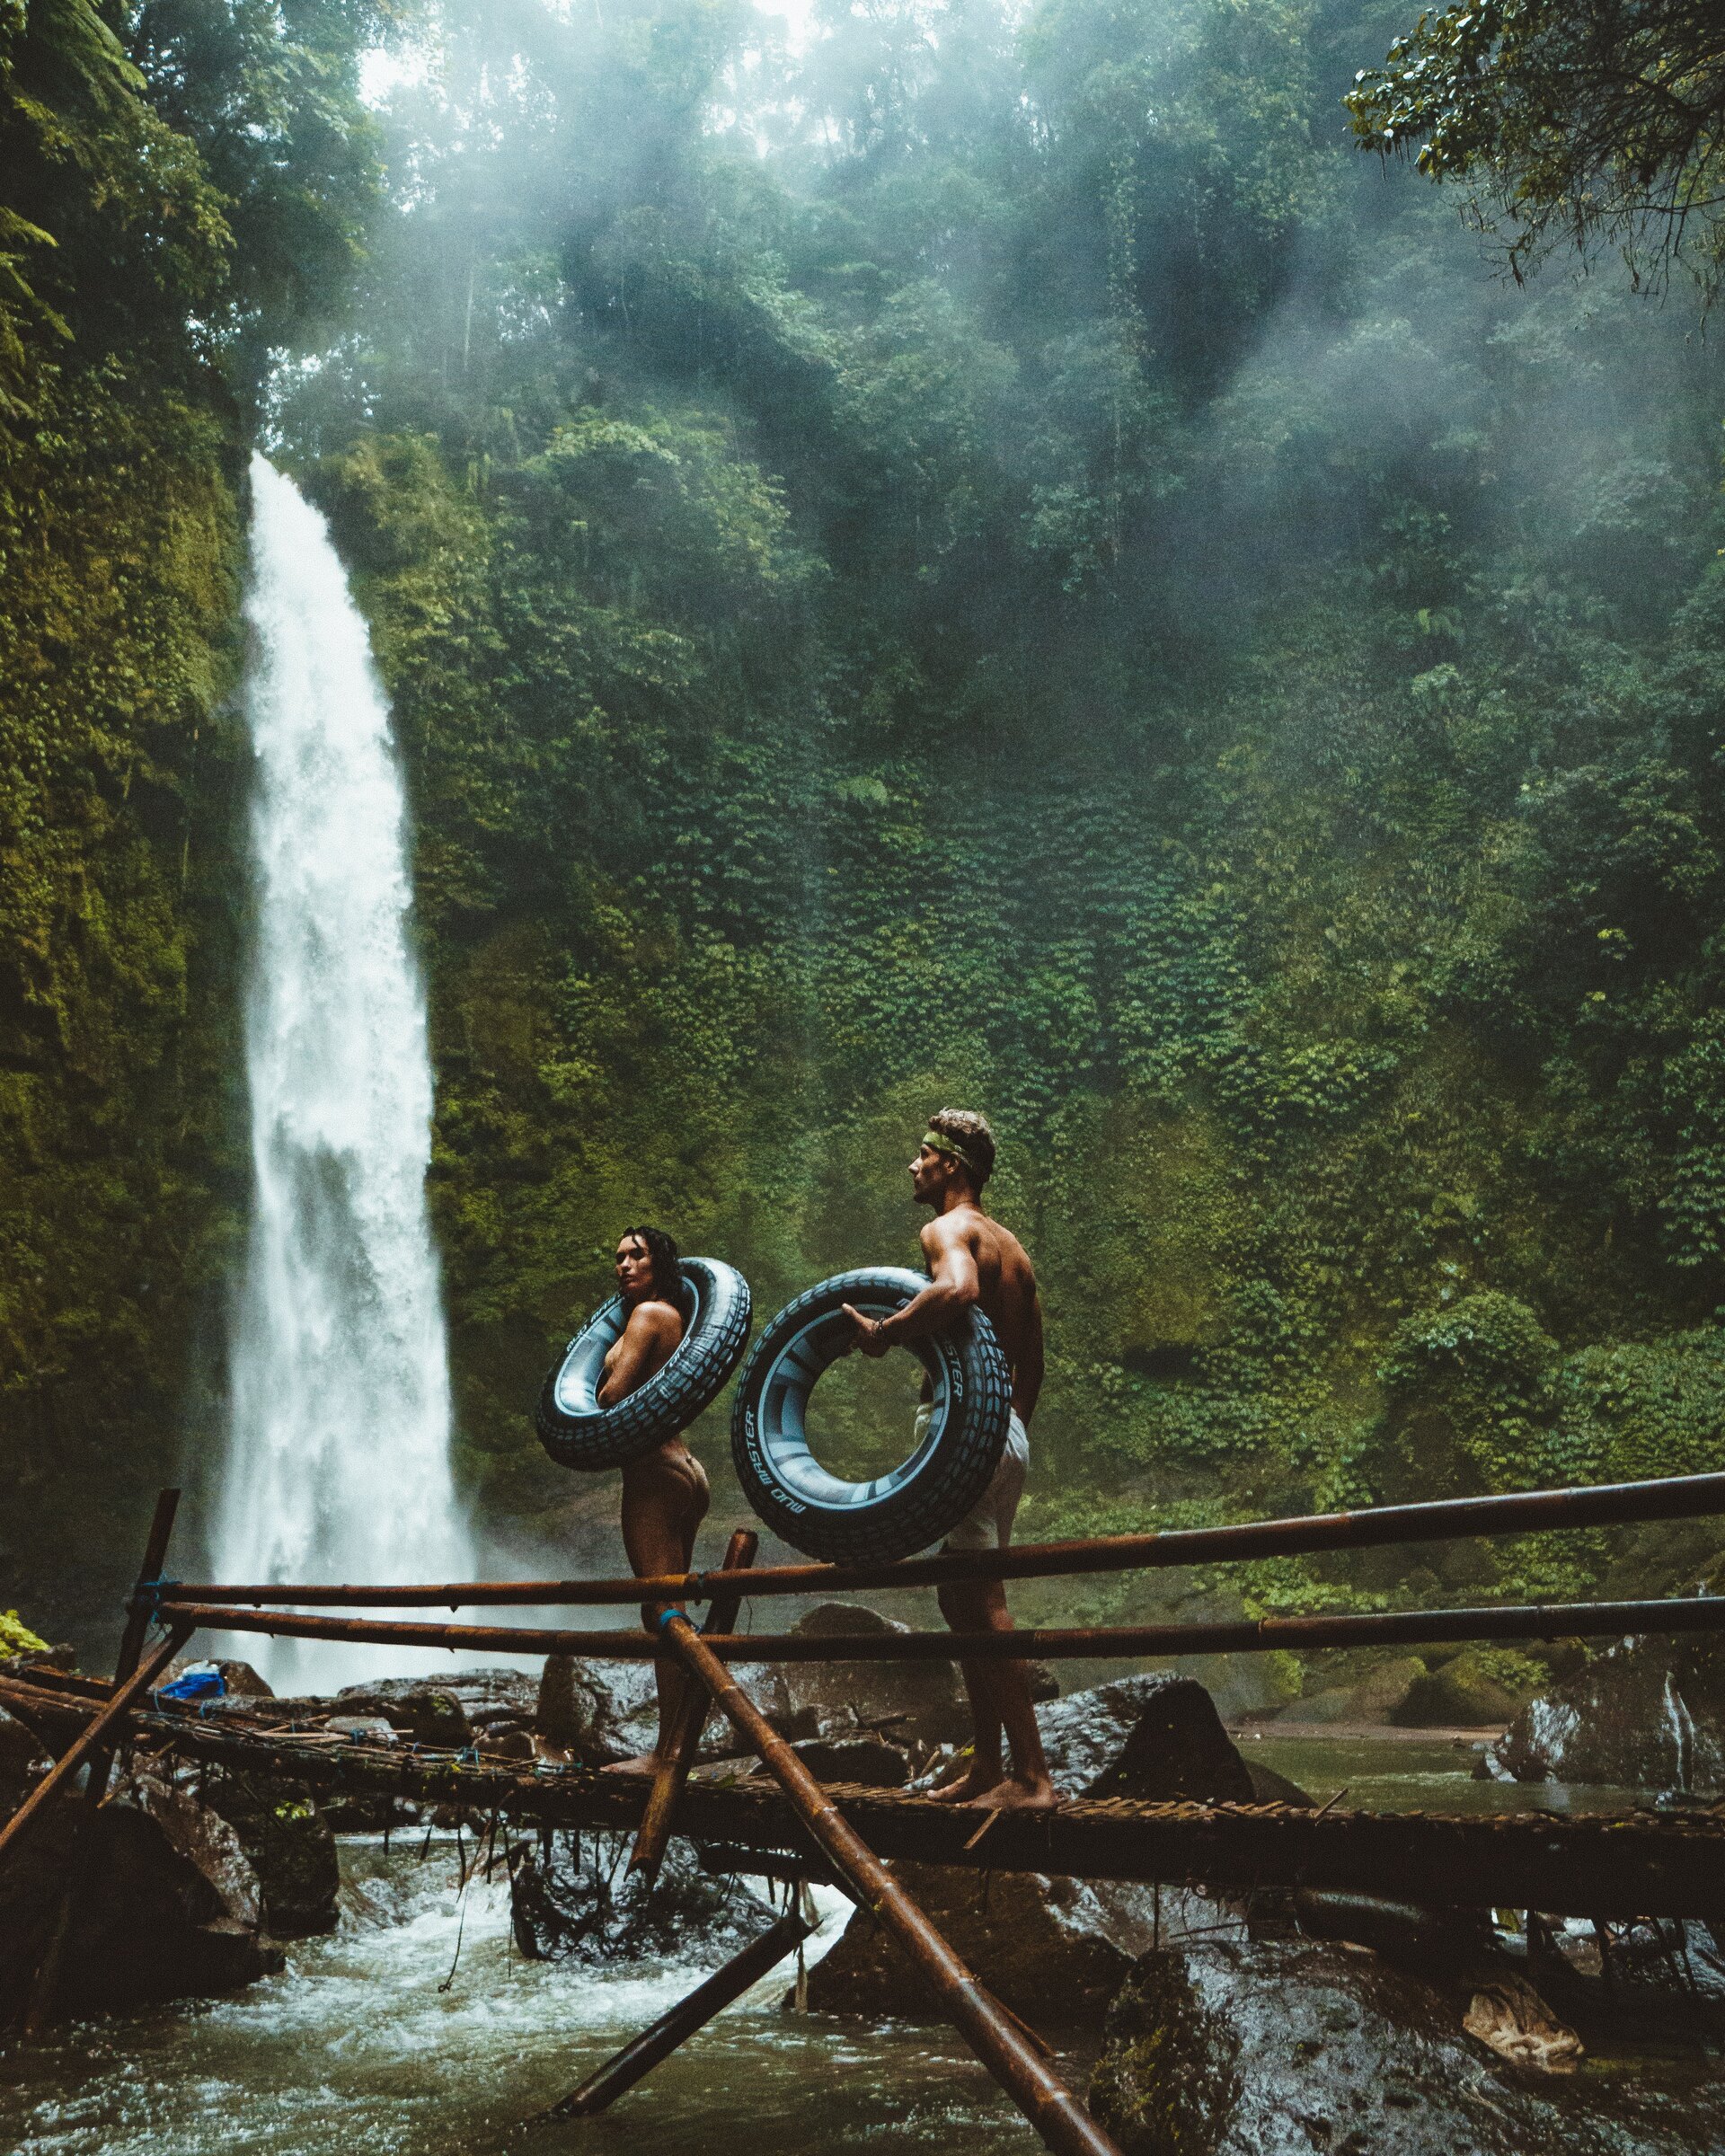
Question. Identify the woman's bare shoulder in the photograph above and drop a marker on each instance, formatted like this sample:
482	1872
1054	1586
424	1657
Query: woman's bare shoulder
656	1319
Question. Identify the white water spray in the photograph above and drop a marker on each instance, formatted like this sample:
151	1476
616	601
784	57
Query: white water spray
338	1463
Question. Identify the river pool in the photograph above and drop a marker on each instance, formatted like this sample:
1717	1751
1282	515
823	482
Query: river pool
368	2042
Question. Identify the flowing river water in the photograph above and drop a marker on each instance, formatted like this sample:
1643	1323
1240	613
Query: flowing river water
417	2029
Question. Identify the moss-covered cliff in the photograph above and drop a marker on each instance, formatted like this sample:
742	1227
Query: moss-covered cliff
128	319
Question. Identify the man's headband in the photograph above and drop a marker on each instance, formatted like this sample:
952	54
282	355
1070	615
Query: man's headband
937	1142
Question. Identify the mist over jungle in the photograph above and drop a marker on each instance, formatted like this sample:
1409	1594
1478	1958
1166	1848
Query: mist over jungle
968	557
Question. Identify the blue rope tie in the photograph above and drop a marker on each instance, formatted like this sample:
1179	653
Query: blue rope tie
665	1617
149	1596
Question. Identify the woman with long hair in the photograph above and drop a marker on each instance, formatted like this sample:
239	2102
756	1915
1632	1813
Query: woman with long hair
665	1492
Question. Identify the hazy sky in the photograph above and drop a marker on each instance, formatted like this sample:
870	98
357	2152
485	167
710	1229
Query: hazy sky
381	70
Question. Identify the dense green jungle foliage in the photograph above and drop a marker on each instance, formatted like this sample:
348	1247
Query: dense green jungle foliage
1004	566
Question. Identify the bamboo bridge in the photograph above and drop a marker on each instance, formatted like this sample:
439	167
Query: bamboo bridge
782	1822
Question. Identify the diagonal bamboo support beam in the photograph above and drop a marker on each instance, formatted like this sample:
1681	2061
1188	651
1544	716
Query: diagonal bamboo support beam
637	2059
1051	2107
673	1771
96	1735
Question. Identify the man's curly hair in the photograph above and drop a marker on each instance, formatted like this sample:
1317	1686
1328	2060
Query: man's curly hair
972	1131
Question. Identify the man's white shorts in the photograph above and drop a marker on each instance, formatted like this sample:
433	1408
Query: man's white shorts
989	1524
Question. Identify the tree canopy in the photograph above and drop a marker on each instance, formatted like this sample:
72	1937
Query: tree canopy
1575	122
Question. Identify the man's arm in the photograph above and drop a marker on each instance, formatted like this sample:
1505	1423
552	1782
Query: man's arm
1027	1371
648	1338
953	1288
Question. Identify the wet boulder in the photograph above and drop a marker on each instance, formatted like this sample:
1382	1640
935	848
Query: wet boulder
564	1710
909	1702
607	1710
1055	1949
167	1906
243	1681
495	1700
289	1844
445	1713
429	1713
1646	1714
362	1728
1380	1696
1157	1737
1466	1690
581	1708
1220	2048
1411	1934
22	1755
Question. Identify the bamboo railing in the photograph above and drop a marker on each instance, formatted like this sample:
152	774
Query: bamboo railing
1445	1519
1236	1636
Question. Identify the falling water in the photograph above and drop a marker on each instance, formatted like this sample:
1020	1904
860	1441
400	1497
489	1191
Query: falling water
338	1463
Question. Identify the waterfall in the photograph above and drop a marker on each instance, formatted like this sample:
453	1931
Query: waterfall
338	1463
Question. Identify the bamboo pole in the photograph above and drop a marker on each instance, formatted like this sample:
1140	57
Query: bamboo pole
637	2059
1239	1636
140	1608
1051	2107
678	1757
93	1736
1519	1512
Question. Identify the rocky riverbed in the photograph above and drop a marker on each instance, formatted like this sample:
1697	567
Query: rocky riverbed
425	1992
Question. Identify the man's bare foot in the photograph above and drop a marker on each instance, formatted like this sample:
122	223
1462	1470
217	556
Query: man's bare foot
1017	1793
973	1783
646	1763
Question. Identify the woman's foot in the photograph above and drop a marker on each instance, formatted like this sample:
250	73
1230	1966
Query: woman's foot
645	1765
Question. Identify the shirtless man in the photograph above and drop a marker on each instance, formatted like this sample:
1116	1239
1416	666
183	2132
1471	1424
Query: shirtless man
973	1259
665	1493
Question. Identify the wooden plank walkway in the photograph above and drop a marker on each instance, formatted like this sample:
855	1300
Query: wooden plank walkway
1620	1865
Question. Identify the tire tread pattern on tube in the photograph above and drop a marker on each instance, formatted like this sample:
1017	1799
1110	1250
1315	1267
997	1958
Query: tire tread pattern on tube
684	1388
960	1459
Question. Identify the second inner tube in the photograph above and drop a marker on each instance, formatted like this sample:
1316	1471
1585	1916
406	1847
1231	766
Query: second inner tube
929	1492
578	1432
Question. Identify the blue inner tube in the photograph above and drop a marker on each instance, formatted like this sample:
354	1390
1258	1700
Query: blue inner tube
578	1432
914	1503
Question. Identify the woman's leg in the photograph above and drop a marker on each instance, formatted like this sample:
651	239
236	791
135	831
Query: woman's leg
664	1499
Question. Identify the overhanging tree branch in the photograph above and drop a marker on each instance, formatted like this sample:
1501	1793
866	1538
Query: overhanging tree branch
1597	123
